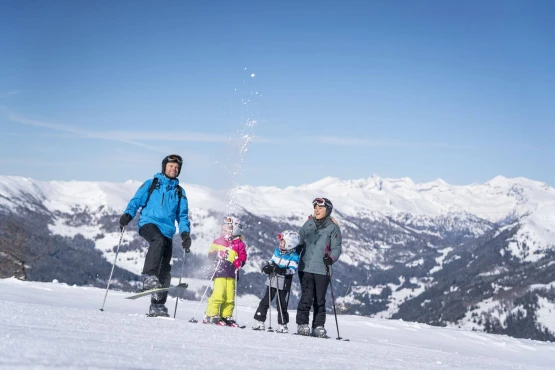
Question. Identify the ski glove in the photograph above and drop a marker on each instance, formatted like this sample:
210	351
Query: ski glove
237	264
280	270
186	237
222	255
125	219
268	269
328	260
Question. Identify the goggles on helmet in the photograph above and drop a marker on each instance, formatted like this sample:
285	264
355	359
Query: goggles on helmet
174	158
319	202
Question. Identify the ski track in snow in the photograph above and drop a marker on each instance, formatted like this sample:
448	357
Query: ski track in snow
50	325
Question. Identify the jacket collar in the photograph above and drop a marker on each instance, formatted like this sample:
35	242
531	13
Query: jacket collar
320	224
163	180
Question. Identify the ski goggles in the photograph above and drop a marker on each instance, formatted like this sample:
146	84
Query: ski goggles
174	158
230	221
280	236
321	202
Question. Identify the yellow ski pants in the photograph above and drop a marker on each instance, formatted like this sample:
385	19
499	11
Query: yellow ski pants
222	301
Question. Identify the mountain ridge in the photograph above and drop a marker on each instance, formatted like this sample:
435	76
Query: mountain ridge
410	250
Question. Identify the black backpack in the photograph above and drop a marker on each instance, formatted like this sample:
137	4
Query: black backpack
154	185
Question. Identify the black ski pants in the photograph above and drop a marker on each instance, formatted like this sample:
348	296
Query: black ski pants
158	258
313	294
262	310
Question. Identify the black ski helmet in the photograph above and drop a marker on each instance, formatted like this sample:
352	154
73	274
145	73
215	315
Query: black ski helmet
172	158
324	202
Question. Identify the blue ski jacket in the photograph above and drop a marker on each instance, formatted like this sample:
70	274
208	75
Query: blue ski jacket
289	261
164	206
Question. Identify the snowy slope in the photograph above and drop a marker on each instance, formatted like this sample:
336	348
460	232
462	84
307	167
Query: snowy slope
50	325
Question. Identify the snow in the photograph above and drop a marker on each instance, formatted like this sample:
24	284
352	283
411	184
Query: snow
398	296
418	262
440	259
53	325
546	313
528	203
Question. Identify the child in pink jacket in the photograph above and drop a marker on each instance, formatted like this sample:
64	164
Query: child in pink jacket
230	254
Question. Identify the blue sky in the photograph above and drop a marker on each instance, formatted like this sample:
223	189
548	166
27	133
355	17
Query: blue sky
102	91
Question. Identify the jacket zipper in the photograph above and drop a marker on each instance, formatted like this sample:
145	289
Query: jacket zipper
163	198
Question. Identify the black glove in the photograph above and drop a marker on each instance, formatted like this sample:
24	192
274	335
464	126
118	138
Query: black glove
268	269
186	237
280	270
328	260
125	219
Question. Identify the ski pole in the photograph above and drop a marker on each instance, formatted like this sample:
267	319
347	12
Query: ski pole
212	278
235	296
333	299
279	306
113	265
177	293
270	303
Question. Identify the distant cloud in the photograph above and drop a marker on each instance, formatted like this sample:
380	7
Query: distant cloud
139	138
351	141
10	93
76	131
129	137
165	136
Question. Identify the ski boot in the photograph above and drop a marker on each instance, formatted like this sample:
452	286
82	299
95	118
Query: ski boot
158	310
259	326
230	322
303	329
282	329
319	332
151	282
213	320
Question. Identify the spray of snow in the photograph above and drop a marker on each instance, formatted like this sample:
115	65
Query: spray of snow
239	143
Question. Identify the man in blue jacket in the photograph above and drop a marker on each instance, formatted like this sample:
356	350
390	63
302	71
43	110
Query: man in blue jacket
162	202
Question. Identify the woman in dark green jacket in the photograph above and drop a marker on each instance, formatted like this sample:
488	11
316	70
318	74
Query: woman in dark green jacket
320	247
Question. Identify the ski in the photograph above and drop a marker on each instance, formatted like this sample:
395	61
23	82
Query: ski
157	290
232	324
325	337
160	317
311	336
224	326
235	325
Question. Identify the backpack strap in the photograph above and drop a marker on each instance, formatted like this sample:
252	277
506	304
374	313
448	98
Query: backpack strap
179	196
153	185
179	193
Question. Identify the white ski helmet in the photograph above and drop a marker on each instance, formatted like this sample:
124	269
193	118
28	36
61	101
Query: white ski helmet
236	227
291	239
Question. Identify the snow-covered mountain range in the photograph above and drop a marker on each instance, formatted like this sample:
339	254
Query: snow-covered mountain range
479	256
